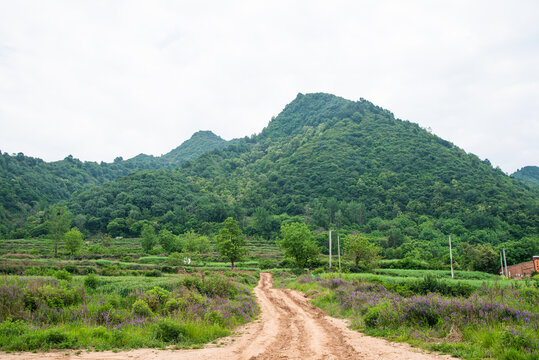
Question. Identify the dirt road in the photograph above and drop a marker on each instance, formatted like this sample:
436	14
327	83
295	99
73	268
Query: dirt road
288	328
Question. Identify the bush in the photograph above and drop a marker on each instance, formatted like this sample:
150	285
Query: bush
432	284
10	328
63	275
59	339
72	269
214	317
141	308
172	305
219	286
287	263
91	281
157	297
381	315
513	338
267	264
168	269
169	331
90	270
153	273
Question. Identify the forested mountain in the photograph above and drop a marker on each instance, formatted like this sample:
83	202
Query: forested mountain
528	174
332	163
28	185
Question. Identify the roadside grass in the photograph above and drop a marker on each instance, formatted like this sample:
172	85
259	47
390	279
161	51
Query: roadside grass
494	320
102	313
391	277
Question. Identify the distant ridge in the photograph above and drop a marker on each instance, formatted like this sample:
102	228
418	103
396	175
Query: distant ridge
528	174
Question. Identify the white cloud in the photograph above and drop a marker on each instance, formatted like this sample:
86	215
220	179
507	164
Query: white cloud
106	79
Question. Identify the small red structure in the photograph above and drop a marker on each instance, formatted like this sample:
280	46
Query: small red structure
523	269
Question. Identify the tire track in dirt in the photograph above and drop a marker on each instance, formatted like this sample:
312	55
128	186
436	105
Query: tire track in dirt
288	328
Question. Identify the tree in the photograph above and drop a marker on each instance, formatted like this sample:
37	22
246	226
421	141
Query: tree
231	241
480	257
148	237
58	222
73	240
167	240
297	243
359	248
194	243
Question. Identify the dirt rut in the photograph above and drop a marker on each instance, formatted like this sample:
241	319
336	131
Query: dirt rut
288	328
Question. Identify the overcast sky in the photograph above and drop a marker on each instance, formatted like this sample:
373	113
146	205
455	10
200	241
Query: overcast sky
100	79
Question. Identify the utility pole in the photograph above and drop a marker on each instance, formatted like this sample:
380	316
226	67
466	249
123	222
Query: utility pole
451	257
339	249
330	249
501	264
505	262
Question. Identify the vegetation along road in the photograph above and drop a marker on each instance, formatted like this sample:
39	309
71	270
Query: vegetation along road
289	328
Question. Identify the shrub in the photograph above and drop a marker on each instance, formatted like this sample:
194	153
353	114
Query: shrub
157	297
168	269
214	317
54	338
219	286
141	308
172	305
72	269
90	270
63	275
513	338
40	271
153	273
267	264
10	328
91	281
169	331
381	315
287	263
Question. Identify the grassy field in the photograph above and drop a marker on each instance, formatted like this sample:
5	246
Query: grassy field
476	317
94	312
112	295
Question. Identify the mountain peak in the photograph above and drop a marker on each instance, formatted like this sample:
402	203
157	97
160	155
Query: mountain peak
204	134
198	143
313	109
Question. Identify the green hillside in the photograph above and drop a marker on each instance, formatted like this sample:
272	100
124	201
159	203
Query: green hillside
330	162
29	185
528	174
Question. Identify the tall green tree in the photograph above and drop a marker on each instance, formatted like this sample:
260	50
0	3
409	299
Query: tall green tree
231	241
167	240
297	243
58	223
148	237
73	241
359	248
